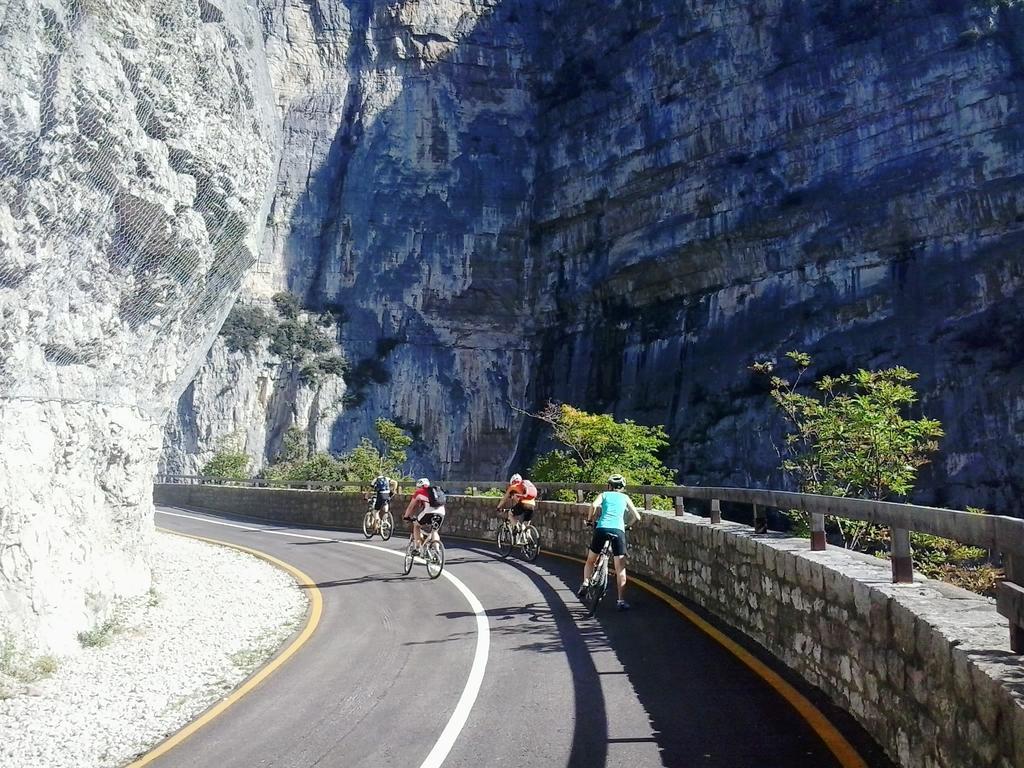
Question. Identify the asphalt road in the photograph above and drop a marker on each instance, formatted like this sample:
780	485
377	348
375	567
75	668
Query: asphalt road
383	679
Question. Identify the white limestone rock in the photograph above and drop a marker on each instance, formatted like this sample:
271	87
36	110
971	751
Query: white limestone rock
138	144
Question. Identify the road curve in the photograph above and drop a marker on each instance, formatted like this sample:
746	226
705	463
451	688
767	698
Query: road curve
387	678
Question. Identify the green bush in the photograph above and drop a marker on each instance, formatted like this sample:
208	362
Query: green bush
333	365
597	446
98	636
245	325
229	464
288	304
320	467
296	340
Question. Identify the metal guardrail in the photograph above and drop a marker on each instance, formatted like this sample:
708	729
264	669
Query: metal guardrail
997	533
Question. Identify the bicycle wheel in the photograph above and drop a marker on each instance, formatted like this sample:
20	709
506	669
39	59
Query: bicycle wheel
387	525
407	564
531	543
368	522
505	539
435	559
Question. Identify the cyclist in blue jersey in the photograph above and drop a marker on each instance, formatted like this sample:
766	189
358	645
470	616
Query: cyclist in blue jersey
610	508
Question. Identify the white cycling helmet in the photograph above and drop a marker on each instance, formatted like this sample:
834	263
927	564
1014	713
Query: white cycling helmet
422	482
516	478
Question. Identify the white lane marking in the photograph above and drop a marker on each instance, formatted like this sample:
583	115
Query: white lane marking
476	673
457	721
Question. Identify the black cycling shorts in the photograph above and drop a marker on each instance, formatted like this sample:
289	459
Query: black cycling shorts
381	501
616	536
523	512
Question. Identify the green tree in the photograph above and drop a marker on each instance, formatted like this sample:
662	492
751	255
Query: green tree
230	462
852	437
294	447
596	446
367	460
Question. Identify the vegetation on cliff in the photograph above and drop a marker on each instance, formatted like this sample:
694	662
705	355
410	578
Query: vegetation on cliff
386	454
293	335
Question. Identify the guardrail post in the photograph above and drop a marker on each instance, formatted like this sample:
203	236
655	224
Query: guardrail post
716	511
760	519
680	505
647	502
899	550
1010	600
817	531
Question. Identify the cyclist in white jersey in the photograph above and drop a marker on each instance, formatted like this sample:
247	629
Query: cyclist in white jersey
419	510
610	507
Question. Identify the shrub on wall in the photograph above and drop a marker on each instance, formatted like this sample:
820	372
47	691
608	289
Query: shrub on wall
852	436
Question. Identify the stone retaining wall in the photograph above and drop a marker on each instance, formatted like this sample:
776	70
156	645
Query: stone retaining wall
925	667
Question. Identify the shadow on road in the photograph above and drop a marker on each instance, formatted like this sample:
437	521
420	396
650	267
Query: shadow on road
704	707
551	626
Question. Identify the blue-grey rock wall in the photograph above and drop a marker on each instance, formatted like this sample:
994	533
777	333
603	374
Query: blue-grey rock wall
406	199
723	181
623	203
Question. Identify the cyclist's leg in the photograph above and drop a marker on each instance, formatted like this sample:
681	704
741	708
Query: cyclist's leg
513	519
517	525
620	576
619	556
525	516
596	544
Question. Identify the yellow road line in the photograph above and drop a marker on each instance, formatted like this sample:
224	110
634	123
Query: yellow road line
316	609
843	751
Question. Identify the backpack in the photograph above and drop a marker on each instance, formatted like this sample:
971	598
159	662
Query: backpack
436	496
531	490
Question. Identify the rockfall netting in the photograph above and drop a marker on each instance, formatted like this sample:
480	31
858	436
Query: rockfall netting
136	144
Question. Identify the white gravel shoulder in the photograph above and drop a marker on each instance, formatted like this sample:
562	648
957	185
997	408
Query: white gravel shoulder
213	616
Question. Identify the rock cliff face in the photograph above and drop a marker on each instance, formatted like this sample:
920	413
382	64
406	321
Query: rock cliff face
721	181
248	399
404	194
139	141
622	204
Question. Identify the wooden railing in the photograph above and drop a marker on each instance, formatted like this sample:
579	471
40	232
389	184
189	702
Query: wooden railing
997	533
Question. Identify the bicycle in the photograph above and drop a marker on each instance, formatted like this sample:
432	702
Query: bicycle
433	550
527	538
594	590
370	525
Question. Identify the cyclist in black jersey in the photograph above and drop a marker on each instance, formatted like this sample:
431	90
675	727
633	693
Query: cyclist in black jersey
383	489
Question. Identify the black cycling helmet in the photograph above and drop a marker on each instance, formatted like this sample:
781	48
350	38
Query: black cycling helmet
617	481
